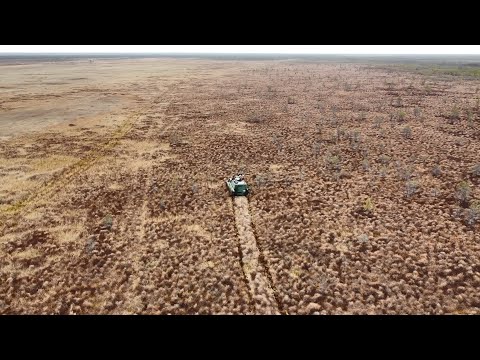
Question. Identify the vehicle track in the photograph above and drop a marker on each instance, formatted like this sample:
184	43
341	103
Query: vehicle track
47	189
261	289
152	125
69	174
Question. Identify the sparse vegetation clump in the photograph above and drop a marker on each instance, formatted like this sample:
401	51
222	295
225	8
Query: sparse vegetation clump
417	112
384	159
368	206
463	193
411	188
333	162
255	119
470	119
107	221
454	115
405	173
365	164
472	214
362	116
436	171
398	102
401	116
407	132
476	170
362	239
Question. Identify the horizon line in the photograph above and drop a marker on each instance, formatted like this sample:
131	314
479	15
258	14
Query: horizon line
226	53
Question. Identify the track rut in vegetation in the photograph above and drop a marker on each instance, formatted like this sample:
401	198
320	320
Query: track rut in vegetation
261	290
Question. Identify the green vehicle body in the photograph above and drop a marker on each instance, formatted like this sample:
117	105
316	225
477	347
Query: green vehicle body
237	187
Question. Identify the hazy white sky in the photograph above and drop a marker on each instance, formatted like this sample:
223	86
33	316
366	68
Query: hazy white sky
292	49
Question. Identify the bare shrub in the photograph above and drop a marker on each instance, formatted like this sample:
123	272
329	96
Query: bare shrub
107	221
476	170
411	188
454	115
333	162
368	206
384	159
255	119
407	132
362	239
405	173
365	164
472	214
436	171
463	193
362	116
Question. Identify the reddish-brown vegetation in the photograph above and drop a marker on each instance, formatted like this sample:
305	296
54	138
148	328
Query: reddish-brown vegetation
355	207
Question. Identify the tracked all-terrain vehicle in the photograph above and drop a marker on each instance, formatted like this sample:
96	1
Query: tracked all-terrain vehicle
237	186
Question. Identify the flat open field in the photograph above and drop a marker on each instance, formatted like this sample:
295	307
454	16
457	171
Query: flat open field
365	182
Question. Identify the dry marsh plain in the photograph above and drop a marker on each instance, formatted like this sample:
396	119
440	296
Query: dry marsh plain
112	195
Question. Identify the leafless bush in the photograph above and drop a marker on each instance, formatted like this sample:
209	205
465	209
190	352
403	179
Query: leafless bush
362	116
454	115
382	172
464	192
472	214
384	159
411	187
368	206
255	119
476	170
316	147
407	132
333	162
405	173
401	115
107	221
436	171
365	164
362	239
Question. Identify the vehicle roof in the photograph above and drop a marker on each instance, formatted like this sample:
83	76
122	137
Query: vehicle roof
241	182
